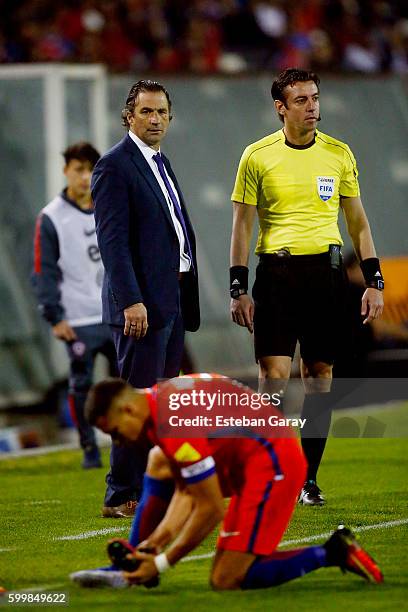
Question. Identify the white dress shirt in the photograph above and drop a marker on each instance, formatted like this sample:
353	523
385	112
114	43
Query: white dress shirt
148	153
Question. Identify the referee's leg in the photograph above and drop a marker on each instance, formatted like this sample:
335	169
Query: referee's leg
317	380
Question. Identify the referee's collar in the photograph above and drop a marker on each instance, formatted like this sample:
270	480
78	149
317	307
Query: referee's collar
295	146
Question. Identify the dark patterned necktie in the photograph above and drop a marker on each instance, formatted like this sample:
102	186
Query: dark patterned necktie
179	214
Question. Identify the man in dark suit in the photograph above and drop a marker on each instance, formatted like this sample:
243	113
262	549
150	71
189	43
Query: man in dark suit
147	244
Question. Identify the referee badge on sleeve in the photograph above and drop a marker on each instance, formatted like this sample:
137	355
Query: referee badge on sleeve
325	187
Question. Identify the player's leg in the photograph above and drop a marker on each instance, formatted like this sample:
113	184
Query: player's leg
229	569
258	516
256	521
158	489
253	562
81	356
238	570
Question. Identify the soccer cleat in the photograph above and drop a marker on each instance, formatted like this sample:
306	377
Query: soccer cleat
118	550
311	495
100	577
92	458
343	550
126	510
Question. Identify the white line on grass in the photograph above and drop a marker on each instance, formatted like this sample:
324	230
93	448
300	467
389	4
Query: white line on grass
7	550
92	534
41	587
41	502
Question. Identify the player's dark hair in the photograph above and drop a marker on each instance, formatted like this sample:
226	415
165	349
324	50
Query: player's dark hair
134	92
101	397
83	151
290	76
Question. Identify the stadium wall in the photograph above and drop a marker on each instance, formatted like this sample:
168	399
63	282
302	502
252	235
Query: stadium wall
214	119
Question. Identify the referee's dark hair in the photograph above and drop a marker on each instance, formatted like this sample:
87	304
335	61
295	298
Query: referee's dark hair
82	151
290	76
131	100
101	397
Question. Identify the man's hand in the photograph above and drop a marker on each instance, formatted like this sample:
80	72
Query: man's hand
372	304
135	321
63	331
146	570
242	312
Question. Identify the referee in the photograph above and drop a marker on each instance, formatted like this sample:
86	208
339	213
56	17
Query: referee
296	179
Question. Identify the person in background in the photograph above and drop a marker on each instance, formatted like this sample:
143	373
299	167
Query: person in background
295	180
361	339
67	280
147	244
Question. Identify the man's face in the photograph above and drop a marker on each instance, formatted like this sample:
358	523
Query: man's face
151	117
78	176
302	109
122	424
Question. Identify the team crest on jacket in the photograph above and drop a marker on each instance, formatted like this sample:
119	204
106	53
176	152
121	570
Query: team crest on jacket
325	187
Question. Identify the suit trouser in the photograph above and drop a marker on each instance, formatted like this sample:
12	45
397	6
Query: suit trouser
141	362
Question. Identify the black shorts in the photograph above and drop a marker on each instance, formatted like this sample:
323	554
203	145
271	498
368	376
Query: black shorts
299	298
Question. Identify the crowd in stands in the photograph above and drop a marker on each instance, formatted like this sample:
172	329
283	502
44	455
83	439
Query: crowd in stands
208	36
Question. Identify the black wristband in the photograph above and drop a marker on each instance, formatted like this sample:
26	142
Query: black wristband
372	273
238	281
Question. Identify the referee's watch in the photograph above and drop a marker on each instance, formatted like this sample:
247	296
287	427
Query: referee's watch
236	293
376	284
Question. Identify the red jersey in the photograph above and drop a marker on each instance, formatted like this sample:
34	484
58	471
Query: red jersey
198	458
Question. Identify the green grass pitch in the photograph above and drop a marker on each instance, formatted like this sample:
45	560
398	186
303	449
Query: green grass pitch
49	496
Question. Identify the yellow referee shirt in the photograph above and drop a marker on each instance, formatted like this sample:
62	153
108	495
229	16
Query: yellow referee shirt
297	191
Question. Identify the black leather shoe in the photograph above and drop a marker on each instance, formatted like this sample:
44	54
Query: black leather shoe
311	495
126	510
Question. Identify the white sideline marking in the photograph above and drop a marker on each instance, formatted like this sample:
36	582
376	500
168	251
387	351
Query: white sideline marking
356	530
41	587
7	549
42	501
312	538
92	534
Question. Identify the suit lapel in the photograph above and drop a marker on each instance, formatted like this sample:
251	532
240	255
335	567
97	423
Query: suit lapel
148	175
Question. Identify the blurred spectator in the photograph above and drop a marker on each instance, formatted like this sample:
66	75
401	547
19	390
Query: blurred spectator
388	332
203	44
205	36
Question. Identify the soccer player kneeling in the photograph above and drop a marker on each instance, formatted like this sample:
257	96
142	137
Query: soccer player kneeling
183	500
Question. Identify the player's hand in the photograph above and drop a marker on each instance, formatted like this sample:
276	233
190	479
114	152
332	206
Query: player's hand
372	304
63	331
135	321
146	570
242	312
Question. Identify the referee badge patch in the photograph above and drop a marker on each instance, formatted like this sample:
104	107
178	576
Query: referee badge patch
325	187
